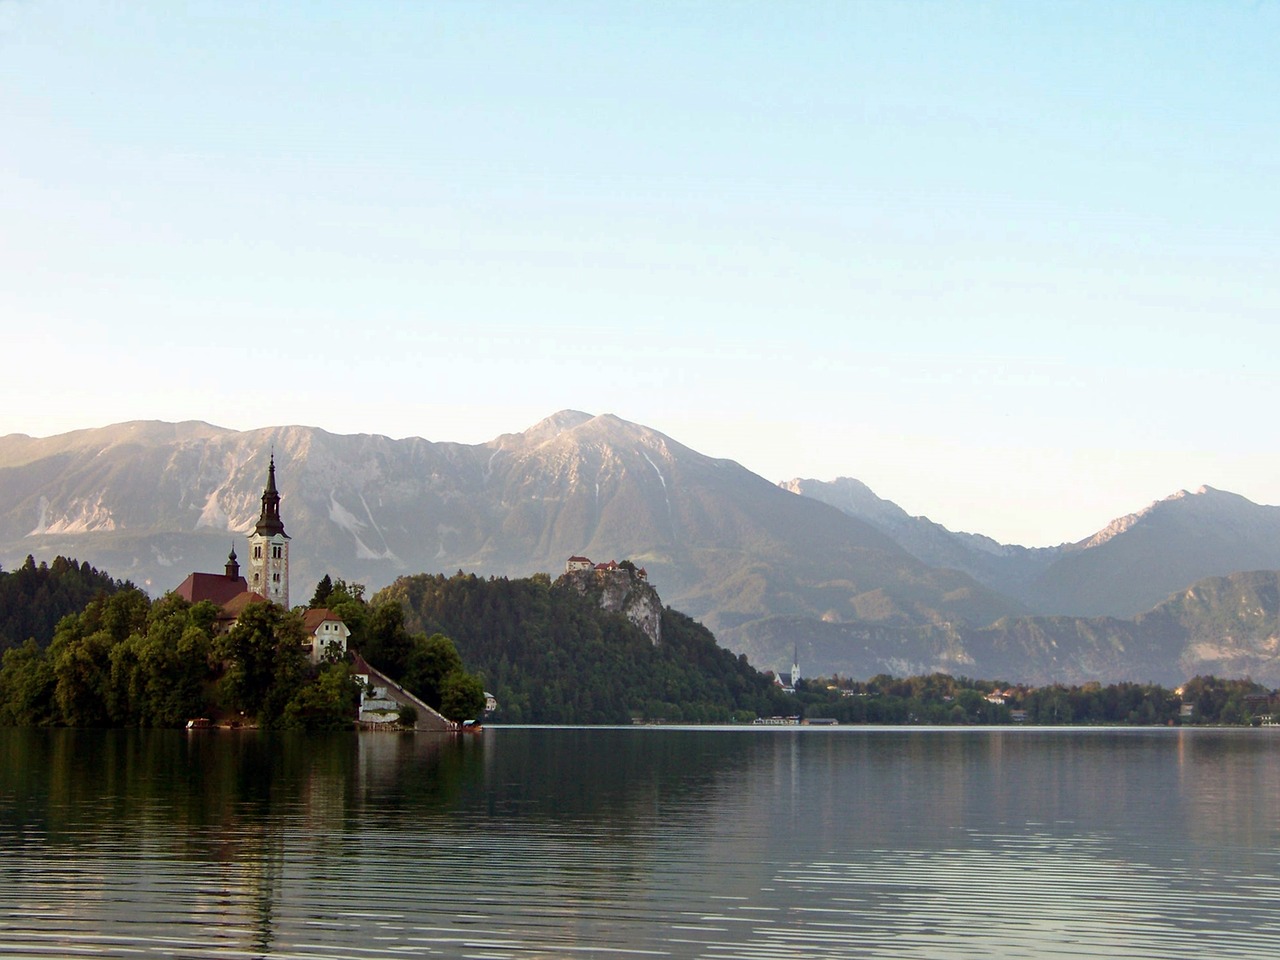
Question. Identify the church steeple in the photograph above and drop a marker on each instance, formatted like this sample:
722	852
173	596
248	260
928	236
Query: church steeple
233	566
269	547
269	522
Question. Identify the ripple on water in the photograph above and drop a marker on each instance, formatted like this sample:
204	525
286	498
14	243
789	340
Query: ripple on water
735	868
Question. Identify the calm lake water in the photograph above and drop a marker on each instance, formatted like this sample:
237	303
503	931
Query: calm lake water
649	842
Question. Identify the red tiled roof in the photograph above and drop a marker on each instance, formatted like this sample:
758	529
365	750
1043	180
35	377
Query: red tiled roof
217	587
232	609
313	618
579	560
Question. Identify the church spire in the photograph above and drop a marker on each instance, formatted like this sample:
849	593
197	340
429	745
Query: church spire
269	547
269	522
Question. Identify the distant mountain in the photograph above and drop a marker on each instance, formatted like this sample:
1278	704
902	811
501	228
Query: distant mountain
856	583
1007	568
1138	560
1123	570
1226	626
155	501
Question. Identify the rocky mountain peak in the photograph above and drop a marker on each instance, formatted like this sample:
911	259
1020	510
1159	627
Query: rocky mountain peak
1204	500
552	427
852	496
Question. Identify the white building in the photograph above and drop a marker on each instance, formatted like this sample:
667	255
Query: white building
327	633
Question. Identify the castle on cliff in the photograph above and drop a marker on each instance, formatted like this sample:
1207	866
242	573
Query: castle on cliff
622	587
577	564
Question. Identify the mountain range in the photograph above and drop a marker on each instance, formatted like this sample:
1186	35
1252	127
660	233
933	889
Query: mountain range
1124	569
829	569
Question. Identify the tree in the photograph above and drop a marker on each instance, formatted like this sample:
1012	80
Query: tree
462	696
265	663
80	655
26	687
324	589
431	661
387	643
158	679
81	669
327	704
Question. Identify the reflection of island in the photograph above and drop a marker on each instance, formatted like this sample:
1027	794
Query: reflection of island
200	788
540	841
207	826
204	796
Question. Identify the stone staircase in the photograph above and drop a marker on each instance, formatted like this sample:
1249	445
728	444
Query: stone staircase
383	706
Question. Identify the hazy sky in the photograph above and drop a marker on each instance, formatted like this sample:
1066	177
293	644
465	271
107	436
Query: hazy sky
1014	265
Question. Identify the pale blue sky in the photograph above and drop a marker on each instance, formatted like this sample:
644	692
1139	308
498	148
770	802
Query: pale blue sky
1014	265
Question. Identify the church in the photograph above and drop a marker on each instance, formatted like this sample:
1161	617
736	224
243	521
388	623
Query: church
268	581
268	578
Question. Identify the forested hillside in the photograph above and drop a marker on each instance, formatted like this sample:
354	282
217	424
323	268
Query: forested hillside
552	655
35	597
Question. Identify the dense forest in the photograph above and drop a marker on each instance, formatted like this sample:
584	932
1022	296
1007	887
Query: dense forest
550	654
942	699
35	597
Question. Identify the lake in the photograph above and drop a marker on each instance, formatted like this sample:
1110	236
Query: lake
646	842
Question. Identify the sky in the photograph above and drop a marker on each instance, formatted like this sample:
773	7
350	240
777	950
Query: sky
1016	266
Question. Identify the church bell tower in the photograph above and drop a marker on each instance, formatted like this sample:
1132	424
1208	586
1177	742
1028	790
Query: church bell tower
269	547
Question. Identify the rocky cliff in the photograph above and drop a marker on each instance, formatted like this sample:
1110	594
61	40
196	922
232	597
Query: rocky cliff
622	589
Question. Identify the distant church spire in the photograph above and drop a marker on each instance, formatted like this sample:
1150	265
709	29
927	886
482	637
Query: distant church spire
269	546
233	566
269	522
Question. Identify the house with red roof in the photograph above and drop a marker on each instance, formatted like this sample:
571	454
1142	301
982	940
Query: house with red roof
575	564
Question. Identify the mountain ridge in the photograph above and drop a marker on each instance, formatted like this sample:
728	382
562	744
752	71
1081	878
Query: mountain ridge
1126	568
152	501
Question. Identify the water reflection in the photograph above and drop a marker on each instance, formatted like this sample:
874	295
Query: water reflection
682	843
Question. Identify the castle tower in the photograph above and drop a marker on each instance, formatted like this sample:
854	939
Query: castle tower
269	547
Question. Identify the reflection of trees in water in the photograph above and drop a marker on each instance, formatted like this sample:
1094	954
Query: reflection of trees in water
262	842
1223	773
224	797
238	804
204	788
